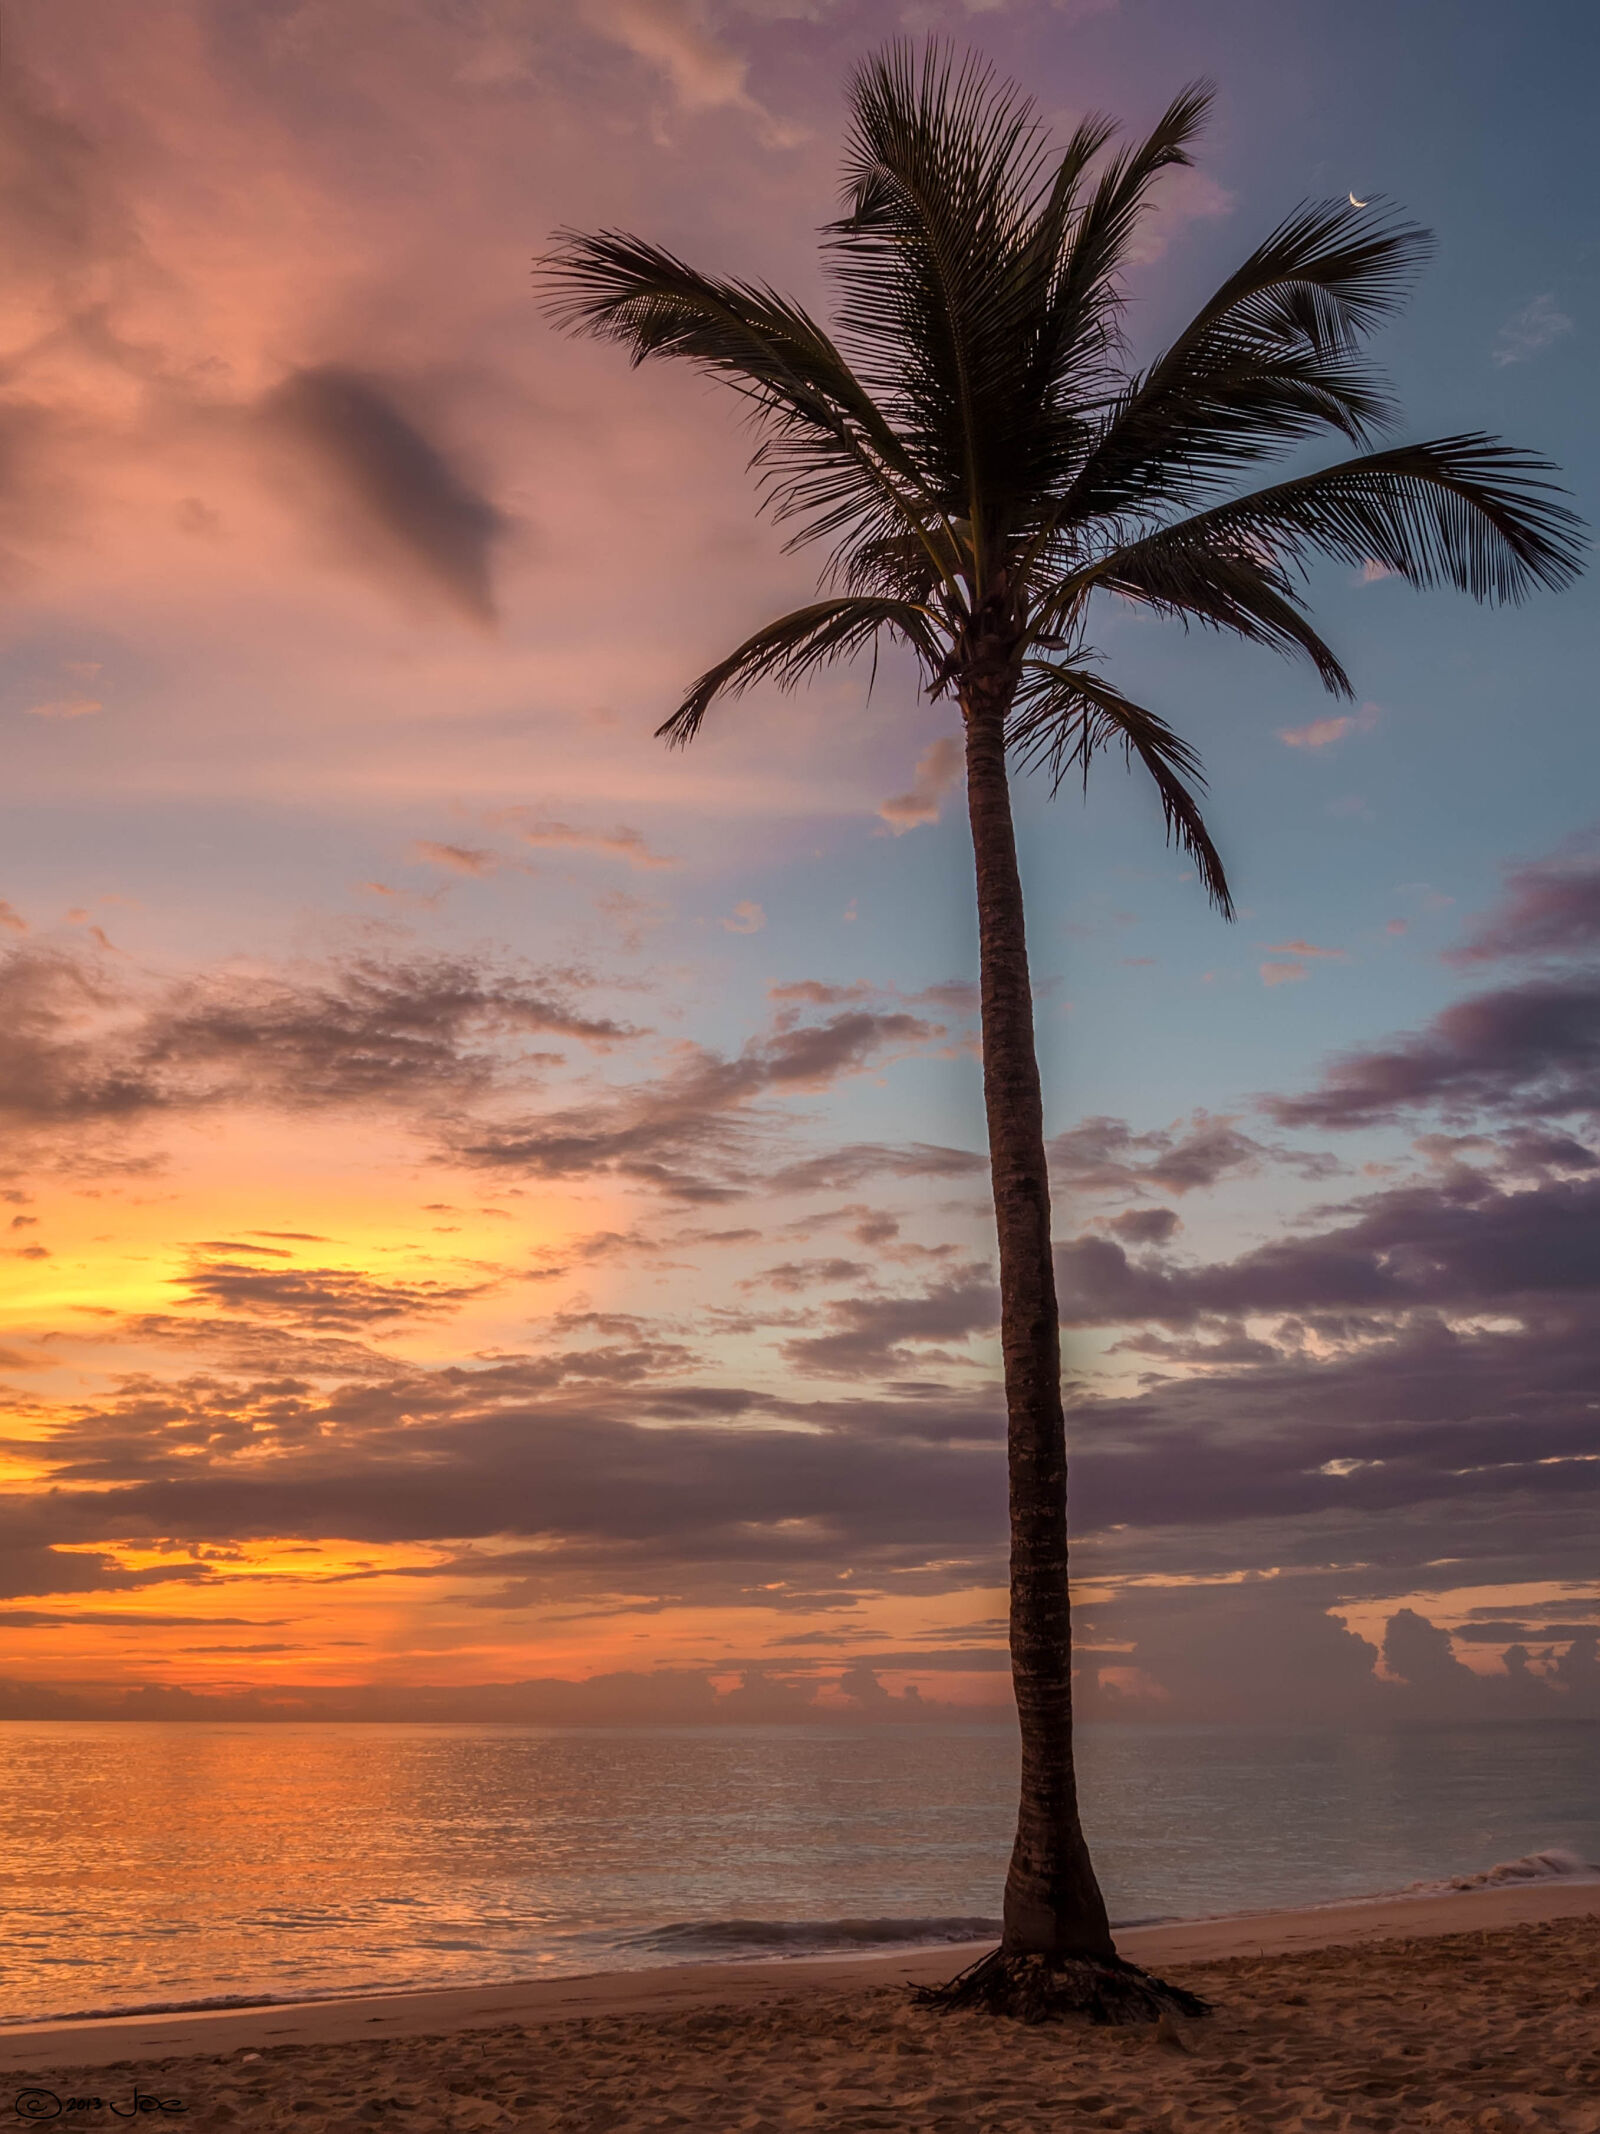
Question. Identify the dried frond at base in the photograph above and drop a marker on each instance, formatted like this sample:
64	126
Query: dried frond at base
1041	1989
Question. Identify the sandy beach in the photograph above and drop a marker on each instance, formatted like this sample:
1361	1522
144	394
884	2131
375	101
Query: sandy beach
1475	2011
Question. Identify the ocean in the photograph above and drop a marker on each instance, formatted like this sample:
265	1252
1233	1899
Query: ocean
151	1865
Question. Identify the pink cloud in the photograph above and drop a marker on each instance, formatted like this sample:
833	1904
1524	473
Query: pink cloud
536	830
1293	957
747	918
1308	948
1185	196
1323	733
65	708
937	770
459	859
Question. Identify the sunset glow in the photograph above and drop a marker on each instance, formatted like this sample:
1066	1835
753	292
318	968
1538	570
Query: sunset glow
494	1212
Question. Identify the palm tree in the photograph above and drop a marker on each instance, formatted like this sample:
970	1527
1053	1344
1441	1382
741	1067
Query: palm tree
979	460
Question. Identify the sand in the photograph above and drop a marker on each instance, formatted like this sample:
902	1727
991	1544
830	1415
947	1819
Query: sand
1477	2012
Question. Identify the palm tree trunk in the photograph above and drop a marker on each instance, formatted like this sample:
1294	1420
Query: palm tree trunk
1053	1905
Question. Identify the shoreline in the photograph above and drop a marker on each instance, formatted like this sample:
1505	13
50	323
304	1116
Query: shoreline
98	2041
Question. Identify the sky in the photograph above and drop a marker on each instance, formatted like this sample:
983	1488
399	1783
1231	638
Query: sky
495	1211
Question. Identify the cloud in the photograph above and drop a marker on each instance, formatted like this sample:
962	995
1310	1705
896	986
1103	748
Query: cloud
1461	1244
876	1336
676	37
632	918
797	1276
65	708
130	1619
396	482
457	859
1184	196
538	1487
813	993
1105	1155
747	918
1145	1226
11	919
81	1043
837	1170
694	1132
1529	331
938	769
1291	971
432	1038
1256	1651
535	829
1323	733
323	1297
1550	907
1529	1051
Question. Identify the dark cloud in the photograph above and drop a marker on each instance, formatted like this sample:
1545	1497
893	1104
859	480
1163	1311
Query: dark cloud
1105	1155
83	1044
1461	1243
836	1170
1145	1226
604	1500
693	1132
1551	907
30	1568
1522	1051
793	1276
1505	1632
324	1297
1253	1653
584	1472
1267	1651
873	1336
131	1619
1411	1379
396	483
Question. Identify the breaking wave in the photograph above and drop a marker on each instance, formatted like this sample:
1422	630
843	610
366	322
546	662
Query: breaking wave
1549	1866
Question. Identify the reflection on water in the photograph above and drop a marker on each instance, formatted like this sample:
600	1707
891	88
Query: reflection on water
149	1863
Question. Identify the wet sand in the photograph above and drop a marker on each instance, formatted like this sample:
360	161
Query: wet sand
1470	2012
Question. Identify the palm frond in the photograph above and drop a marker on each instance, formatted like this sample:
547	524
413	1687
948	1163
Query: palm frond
1086	303
1065	715
786	651
830	458
1464	511
1269	360
1222	585
943	167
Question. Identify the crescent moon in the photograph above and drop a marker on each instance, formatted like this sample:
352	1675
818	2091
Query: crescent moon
1354	202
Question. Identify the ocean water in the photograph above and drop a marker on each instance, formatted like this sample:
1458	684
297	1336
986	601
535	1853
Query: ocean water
146	1865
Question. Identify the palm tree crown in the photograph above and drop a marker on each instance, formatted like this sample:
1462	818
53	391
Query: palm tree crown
979	458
